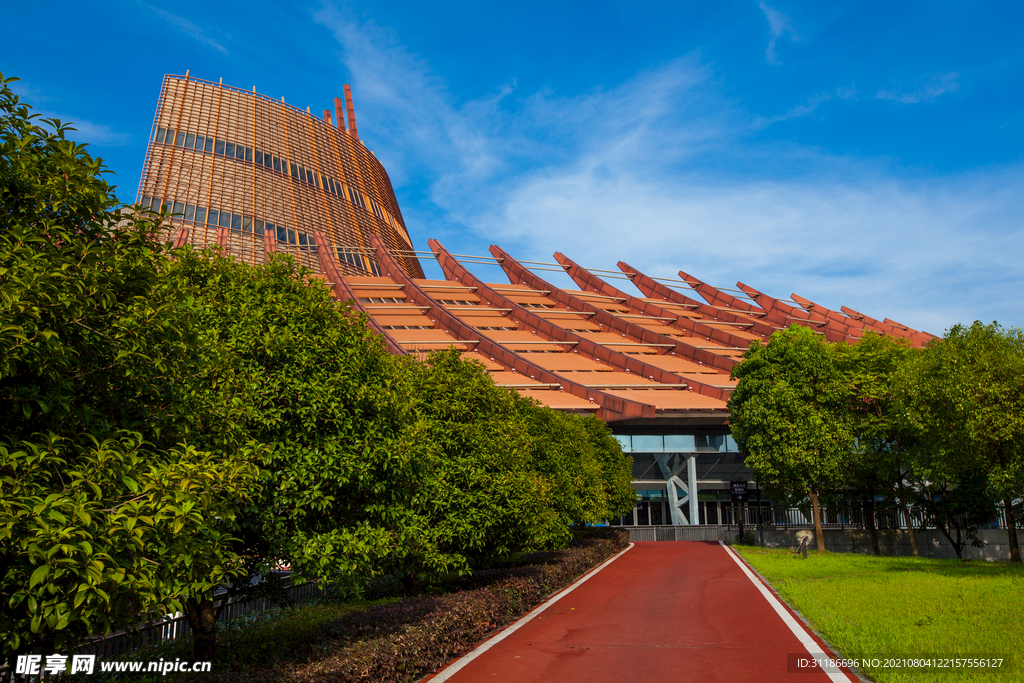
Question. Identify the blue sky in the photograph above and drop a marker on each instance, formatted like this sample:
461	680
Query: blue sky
859	154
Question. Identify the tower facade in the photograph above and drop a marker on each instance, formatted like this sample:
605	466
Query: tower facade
255	175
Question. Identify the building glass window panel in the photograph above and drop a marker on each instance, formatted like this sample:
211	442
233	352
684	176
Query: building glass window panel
214	215
179	207
302	239
259	157
190	140
229	149
277	164
282	234
679	443
731	445
291	236
218	147
295	170
248	153
209	145
181	138
626	442
302	174
190	211
257	226
236	222
373	268
240	152
200	143
146	200
225	219
246	223
159	137
200	214
648	443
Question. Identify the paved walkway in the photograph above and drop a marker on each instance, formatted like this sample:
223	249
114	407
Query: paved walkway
667	611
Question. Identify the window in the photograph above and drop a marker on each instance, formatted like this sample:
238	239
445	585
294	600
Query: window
218	147
291	236
236	222
302	174
181	139
209	145
257	226
277	164
248	153
200	143
190	211
179	207
295	171
213	217
246	223
356	197
282	234
190	140
200	214
159	137
225	219
302	239
373	267
229	149
259	157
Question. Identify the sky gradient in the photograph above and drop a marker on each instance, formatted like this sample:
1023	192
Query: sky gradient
858	154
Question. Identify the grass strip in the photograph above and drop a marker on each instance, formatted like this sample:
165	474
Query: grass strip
868	606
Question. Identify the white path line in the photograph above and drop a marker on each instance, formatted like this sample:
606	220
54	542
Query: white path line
456	666
834	673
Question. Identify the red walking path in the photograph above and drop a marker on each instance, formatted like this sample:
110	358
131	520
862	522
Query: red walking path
665	611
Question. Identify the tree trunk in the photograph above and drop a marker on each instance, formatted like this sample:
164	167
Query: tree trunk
202	618
869	519
819	535
906	515
1011	530
957	544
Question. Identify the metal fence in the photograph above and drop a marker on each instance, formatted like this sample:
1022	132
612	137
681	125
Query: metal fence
678	533
786	518
175	626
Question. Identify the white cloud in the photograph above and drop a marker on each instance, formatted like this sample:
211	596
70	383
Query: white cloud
808	107
778	26
660	172
189	29
930	88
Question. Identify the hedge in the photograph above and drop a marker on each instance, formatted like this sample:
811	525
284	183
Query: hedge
405	640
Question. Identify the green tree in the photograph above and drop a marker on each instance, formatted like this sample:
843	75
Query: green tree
95	535
965	395
106	511
886	447
320	393
480	495
788	415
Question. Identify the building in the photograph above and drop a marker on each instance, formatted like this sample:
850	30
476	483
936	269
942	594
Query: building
255	176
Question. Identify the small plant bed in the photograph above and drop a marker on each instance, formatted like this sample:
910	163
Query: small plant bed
869	606
390	640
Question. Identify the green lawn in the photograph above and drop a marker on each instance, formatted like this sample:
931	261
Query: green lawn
869	606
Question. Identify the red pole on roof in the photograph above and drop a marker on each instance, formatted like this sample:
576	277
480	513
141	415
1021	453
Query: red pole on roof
339	112
351	113
327	116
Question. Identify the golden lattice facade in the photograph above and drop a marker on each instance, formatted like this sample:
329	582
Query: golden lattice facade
255	175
